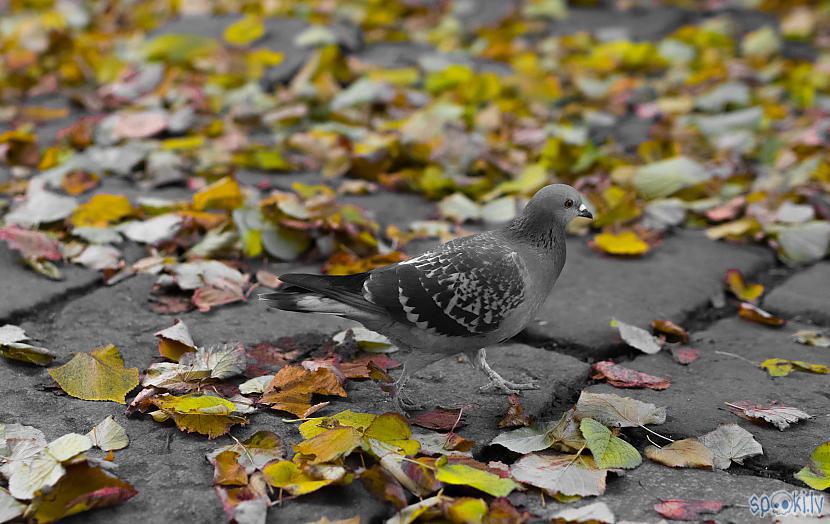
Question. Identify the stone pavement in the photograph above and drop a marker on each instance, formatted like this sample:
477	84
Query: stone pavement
677	282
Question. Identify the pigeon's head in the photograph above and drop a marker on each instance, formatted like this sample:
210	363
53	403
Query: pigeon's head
559	202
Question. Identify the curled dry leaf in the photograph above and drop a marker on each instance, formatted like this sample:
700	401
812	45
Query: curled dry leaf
777	415
31	244
175	341
671	330
810	337
440	419
685	356
758	315
293	387
569	475
515	416
781	367
735	284
204	414
623	377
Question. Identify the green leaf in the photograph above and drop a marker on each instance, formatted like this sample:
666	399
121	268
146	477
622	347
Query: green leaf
179	48
817	473
461	474
608	451
666	177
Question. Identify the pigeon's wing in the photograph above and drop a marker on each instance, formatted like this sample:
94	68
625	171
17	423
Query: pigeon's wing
465	289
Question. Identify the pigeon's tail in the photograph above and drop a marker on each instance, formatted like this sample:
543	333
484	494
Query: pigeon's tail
333	295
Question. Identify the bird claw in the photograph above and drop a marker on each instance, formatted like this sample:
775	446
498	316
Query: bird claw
405	404
507	387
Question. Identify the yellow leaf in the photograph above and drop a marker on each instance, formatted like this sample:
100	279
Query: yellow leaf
393	429
99	375
288	476
313	427
102	210
464	475
259	59
225	193
179	48
196	413
686	453
466	510
817	473
183	143
781	367
247	29
330	445
623	243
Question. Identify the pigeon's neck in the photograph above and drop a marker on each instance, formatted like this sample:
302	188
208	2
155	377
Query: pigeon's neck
545	235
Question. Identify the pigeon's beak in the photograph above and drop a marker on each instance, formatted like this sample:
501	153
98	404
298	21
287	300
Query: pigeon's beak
583	212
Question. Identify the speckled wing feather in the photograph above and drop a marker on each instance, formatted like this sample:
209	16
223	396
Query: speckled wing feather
464	289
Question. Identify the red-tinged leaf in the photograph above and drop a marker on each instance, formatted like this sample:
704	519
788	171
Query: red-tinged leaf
170	304
727	211
227	471
456	442
360	367
384	486
515	416
502	511
439	419
623	377
775	414
734	282
207	297
31	244
687	509
758	315
82	488
670	329
685	356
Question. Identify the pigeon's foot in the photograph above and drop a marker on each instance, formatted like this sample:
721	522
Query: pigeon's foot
403	402
497	382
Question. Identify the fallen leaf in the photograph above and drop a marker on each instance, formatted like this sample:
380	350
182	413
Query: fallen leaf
670	329
730	443
464	475
734	282
569	475
31	244
227	471
255	452
817	473
109	435
781	367
98	375
41	207
804	243
197	413
244	31
152	231
758	315
625	243
293	386
616	411
608	450
175	341
293	479
810	337
515	416
330	445
139	124
686	453
523	440
684	356
384	486
622	377
84	487
102	210
637	337
10	508
367	340
594	512
268	279
666	177
675	509
225	193
777	415
440	419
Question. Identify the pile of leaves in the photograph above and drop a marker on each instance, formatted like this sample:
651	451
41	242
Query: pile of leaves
47	481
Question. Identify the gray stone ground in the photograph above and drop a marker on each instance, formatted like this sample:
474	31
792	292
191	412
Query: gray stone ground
676	282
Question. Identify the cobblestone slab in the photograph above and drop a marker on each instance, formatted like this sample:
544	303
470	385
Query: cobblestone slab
696	397
677	278
805	295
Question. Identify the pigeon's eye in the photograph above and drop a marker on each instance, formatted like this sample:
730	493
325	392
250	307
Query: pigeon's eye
569	203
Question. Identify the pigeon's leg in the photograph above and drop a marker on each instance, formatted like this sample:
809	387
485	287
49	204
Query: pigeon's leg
415	361
497	382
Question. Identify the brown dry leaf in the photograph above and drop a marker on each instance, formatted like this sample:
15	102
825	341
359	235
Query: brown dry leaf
175	341
671	330
292	388
515	416
98	375
623	377
686	453
79	182
684	356
227	471
560	474
758	315
207	297
384	486
196	413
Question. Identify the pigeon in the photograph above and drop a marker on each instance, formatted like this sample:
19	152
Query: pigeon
469	293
